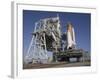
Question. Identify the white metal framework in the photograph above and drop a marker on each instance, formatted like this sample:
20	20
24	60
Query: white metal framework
37	51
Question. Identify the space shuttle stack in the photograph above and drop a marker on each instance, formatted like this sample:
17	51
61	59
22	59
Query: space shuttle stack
70	37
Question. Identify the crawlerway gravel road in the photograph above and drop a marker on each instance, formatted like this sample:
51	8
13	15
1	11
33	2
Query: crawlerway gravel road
55	65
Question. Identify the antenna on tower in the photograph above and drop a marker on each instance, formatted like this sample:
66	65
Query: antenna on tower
57	15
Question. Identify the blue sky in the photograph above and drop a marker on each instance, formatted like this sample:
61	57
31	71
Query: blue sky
81	23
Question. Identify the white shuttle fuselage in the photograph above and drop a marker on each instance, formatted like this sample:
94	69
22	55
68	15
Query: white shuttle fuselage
70	37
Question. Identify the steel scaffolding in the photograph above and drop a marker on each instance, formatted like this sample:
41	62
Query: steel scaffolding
37	51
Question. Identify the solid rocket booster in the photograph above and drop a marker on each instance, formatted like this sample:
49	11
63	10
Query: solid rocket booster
70	36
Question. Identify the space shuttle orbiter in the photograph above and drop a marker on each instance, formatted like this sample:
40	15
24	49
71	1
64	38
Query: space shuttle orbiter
70	36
